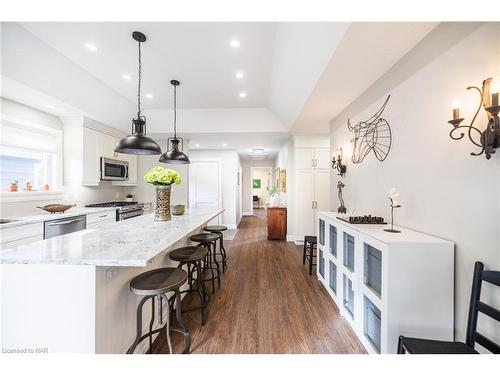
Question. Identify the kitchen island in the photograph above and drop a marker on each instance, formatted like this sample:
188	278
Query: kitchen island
71	293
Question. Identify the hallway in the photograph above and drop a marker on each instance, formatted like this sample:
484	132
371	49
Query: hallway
267	303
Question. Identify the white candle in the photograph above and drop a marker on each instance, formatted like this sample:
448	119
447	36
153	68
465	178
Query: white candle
456	111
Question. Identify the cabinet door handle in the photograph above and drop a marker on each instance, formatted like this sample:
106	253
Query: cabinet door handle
312	205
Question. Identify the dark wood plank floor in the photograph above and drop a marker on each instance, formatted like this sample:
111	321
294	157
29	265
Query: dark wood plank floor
267	303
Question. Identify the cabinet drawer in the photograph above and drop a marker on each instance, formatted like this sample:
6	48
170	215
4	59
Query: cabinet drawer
21	232
101	216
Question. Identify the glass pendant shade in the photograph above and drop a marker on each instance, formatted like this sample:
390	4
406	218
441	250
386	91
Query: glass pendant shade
138	143
174	155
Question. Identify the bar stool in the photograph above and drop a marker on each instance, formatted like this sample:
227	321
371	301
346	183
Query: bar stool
192	257
218	229
153	285
310	242
209	241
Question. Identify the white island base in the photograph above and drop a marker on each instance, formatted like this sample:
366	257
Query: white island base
77	300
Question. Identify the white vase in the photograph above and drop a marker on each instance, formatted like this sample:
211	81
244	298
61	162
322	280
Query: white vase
274	200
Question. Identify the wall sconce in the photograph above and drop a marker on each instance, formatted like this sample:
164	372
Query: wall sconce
337	162
489	139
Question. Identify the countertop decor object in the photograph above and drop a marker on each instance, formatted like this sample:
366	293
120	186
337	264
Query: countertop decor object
13	185
137	143
129	198
488	139
56	207
173	155
178	209
162	179
274	196
393	198
341	209
372	134
276	223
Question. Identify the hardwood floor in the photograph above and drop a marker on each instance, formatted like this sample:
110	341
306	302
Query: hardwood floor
267	303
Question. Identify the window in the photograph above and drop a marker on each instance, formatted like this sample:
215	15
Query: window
30	153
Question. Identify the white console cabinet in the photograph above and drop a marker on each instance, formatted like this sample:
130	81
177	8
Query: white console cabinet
387	284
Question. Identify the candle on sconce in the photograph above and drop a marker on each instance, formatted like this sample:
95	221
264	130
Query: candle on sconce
456	111
494	95
340	157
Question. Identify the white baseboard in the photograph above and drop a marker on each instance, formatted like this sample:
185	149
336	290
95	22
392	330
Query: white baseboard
290	238
299	242
231	226
247	213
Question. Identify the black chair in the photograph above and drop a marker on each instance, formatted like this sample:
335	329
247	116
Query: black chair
423	346
209	241
310	243
218	229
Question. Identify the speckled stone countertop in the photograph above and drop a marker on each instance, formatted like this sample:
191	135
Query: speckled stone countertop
127	243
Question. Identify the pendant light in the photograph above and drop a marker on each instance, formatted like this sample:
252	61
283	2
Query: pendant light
137	143
173	155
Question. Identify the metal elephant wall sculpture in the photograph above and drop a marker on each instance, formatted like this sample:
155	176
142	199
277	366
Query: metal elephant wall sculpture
372	134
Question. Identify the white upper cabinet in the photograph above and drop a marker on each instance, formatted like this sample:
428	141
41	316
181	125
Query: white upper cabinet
108	144
90	157
304	158
322	158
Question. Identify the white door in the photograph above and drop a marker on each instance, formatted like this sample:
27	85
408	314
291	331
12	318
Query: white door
304	158
204	186
322	189
305	197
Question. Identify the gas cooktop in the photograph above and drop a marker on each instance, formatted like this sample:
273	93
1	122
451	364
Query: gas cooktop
366	219
111	204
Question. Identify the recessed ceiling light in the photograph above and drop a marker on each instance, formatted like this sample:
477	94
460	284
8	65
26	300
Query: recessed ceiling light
239	75
126	77
243	94
224	145
149	96
235	43
50	106
258	150
91	47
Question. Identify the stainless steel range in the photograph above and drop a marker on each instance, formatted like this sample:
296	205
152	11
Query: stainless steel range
124	210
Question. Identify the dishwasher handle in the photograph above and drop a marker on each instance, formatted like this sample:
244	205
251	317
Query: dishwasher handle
64	222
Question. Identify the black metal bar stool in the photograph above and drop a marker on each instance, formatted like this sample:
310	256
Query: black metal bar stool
310	243
191	256
209	241
153	285
218	229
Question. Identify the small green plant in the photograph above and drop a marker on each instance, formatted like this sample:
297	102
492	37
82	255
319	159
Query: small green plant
162	176
14	182
273	190
129	195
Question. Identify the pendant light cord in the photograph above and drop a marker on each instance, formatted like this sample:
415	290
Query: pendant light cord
139	84
175	112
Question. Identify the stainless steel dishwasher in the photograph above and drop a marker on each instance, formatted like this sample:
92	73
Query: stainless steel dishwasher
58	227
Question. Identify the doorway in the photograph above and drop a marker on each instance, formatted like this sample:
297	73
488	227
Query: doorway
261	179
205	186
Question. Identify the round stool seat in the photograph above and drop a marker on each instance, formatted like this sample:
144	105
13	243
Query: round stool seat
188	253
204	237
311	239
158	281
215	228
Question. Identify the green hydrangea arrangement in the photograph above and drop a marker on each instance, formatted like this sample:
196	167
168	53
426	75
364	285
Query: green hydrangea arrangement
162	176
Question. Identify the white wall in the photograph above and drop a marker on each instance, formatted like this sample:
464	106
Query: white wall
285	160
444	190
246	166
230	167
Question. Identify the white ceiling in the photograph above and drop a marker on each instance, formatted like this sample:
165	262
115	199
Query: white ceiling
197	54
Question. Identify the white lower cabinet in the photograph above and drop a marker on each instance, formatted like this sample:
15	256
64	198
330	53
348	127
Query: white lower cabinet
94	220
387	284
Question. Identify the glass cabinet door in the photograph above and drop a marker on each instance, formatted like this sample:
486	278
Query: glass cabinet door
321	262
373	269
349	251
333	277
372	322
333	240
348	296
322	232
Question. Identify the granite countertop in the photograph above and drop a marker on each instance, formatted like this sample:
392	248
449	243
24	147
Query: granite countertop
44	216
128	243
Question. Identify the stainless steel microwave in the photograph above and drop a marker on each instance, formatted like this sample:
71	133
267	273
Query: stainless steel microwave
114	170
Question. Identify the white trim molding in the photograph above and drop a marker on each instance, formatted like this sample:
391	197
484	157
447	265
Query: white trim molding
246	213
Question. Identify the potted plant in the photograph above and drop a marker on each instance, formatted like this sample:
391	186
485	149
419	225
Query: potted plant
162	179
129	197
274	196
13	185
